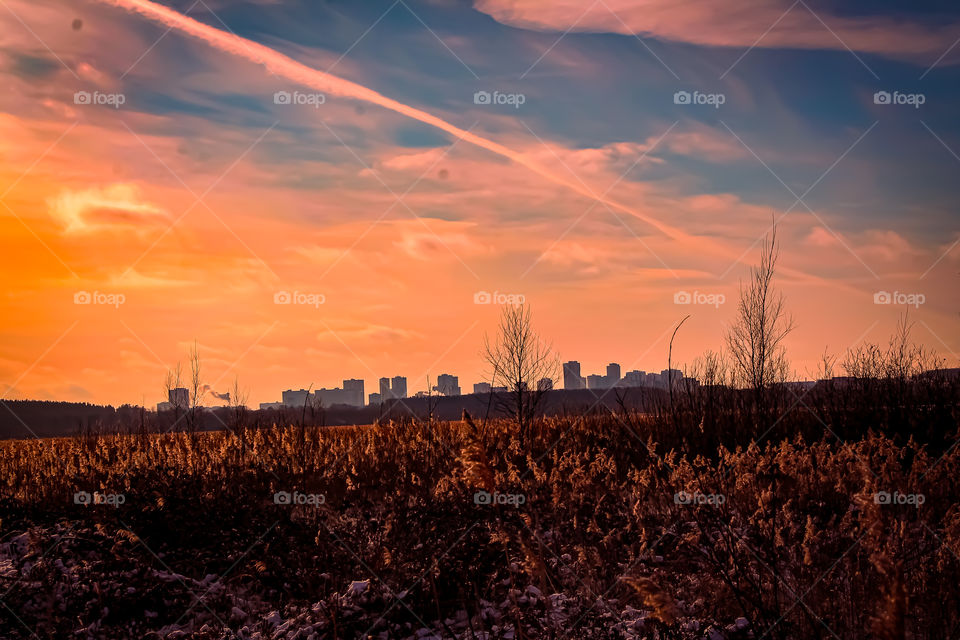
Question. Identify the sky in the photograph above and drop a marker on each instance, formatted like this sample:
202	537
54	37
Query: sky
313	191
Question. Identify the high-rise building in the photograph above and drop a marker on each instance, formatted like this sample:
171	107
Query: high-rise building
571	376
399	387
635	378
481	387
179	397
375	399
384	388
447	385
671	377
545	384
350	395
596	381
353	388
613	374
295	398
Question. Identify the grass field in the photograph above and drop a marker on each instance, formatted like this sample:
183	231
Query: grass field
606	525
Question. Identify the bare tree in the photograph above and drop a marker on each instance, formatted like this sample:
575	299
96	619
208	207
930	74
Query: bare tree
755	339
174	380
432	402
901	360
318	413
197	388
238	410
670	363
518	359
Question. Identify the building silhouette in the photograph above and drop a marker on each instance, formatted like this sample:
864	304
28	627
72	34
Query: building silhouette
571	376
353	388
350	395
481	387
596	381
295	398
613	374
612	378
392	389
179	397
447	385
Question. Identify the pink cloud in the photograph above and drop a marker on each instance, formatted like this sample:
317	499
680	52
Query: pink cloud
112	206
738	23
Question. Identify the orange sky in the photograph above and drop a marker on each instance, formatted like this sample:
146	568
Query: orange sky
194	220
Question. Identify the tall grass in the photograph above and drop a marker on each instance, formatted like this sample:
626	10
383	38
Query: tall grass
698	514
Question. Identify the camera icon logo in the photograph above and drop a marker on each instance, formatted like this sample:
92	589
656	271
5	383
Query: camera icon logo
282	97
481	97
682	297
82	297
482	497
282	297
882	497
881	97
82	497
81	97
282	497
482	297
681	97
882	297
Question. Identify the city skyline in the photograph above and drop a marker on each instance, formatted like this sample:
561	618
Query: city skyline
396	387
282	188
448	385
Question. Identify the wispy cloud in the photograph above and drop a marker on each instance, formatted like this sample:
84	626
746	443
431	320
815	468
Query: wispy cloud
738	23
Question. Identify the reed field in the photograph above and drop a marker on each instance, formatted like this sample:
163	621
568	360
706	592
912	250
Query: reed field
697	520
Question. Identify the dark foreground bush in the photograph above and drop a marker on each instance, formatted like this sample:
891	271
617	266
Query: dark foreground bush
592	530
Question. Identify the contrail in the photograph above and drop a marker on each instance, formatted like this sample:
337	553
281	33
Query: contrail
286	67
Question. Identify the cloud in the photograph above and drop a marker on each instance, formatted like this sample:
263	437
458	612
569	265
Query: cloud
116	205
431	246
370	334
286	67
873	245
420	160
736	23
133	279
705	143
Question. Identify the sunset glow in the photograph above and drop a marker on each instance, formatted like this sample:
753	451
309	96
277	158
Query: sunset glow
179	167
